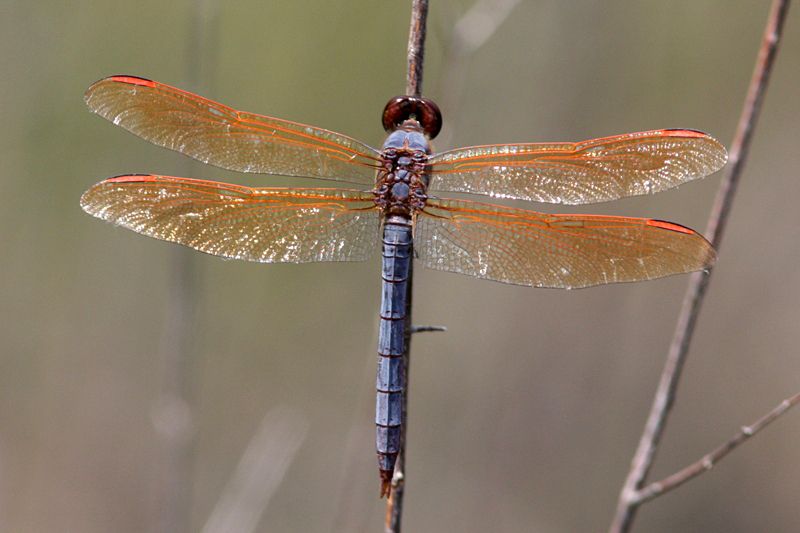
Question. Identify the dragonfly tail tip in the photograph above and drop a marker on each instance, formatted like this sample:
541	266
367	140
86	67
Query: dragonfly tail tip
386	483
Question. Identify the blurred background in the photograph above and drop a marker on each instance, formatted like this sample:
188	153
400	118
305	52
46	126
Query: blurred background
135	374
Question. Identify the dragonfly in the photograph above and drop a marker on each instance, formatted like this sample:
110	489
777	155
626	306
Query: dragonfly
392	204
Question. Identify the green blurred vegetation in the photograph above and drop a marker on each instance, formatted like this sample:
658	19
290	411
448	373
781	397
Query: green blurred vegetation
525	414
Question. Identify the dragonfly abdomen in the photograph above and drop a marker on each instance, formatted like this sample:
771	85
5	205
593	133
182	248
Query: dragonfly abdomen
390	382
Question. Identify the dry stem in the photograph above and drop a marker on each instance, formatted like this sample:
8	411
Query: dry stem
416	54
629	498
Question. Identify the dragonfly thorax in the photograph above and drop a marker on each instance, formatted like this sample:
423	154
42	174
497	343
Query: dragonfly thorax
401	184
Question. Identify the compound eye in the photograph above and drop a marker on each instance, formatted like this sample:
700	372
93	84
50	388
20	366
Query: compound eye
402	108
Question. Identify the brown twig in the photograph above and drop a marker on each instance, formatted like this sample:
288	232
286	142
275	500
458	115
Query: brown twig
708	461
629	498
416	54
425	329
416	47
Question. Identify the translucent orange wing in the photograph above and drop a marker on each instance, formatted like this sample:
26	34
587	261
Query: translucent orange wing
558	251
579	173
268	225
216	134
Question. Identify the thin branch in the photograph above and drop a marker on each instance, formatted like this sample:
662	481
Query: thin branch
424	329
708	461
416	54
416	47
698	283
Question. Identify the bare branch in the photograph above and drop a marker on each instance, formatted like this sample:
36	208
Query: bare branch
708	461
416	54
416	47
423	329
394	507
698	283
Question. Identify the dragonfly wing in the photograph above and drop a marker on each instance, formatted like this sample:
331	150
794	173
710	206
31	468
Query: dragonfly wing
558	251
580	173
266	225
219	135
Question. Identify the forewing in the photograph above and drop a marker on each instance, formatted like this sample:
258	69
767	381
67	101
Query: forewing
580	173
558	251
268	225
219	135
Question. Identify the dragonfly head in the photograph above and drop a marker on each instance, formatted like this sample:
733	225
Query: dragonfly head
407	112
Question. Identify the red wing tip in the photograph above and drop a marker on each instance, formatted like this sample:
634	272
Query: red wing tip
132	80
683	133
129	178
663	224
